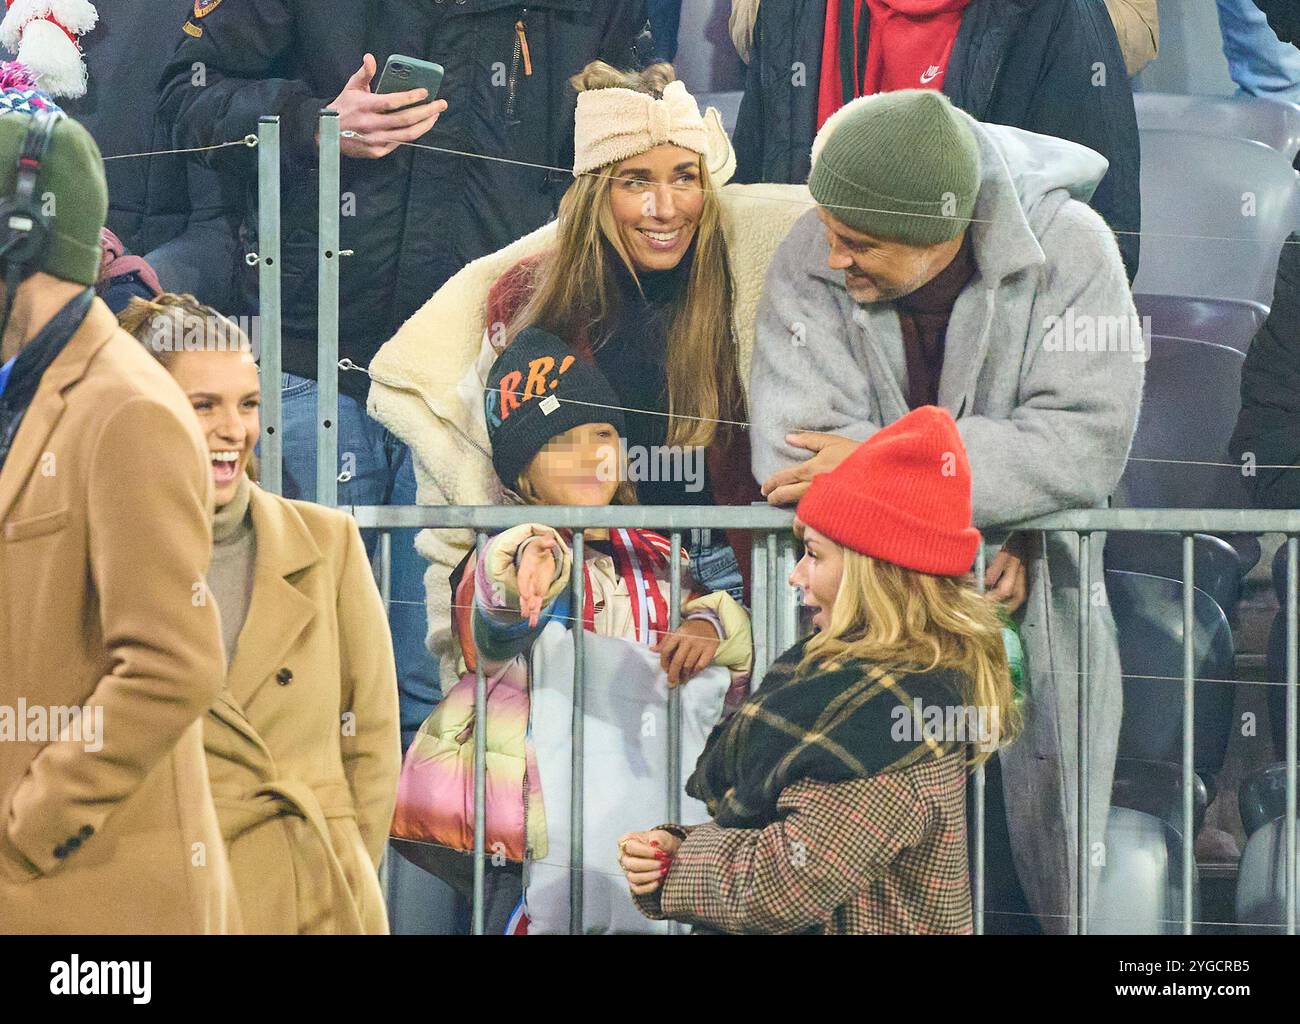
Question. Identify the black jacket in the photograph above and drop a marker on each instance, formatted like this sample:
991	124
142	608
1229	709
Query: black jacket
171	201
1268	426
1025	63
419	215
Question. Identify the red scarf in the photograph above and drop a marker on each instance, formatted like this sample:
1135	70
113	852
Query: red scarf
908	47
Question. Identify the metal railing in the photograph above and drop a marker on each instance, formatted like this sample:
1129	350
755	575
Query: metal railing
774	611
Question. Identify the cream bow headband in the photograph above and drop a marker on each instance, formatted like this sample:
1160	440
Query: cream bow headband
615	124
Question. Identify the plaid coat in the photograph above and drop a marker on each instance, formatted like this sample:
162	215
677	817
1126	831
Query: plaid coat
866	831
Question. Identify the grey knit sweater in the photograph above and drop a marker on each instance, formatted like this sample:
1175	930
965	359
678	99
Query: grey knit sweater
230	577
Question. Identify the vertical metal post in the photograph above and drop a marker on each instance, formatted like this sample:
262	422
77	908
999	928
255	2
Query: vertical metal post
1085	664
773	600
1292	568
386	571
578	731
789	620
977	896
1189	722
267	334
675	698
480	770
758	602
327	315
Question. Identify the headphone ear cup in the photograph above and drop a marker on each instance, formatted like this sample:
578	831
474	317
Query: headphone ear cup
25	232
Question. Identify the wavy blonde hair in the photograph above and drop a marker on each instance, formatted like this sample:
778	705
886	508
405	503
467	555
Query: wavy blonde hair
909	621
574	289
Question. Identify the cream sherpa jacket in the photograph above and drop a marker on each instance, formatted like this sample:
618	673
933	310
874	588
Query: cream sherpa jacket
427	381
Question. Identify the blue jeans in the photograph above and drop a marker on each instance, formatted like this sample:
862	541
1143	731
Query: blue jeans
381	472
713	563
1258	61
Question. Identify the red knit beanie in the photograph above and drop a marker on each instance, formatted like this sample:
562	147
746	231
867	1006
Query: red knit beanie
903	496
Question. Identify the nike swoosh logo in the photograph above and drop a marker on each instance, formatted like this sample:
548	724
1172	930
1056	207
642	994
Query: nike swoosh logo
930	74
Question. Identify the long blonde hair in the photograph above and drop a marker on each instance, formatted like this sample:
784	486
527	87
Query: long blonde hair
910	621
574	289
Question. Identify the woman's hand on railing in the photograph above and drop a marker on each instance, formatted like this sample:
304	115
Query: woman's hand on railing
645	858
688	650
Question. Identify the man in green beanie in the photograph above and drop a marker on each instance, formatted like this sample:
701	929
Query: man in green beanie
955	263
110	651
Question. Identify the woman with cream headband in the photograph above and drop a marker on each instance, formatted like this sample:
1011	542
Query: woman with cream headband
639	288
636	280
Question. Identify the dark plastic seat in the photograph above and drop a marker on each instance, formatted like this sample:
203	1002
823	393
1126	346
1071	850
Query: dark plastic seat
1217	565
1262	797
1275	123
1156	788
1190	401
1148	613
1196	237
728	104
1231	322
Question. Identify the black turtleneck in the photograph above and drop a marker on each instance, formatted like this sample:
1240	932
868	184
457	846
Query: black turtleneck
632	353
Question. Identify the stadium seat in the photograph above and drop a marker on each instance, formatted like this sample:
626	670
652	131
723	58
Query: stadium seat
1261	879
1148	613
1275	123
1141	890
1231	322
728	104
1156	788
1215	212
1262	797
1217	567
1180	458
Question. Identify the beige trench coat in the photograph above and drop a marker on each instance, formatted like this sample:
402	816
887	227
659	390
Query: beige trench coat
303	743
105	537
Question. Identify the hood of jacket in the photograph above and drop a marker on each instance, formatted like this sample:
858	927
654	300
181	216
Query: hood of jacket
1024	179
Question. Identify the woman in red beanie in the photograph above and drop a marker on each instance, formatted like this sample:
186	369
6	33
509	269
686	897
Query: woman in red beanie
837	791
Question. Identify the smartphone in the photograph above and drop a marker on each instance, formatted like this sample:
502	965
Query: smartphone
404	73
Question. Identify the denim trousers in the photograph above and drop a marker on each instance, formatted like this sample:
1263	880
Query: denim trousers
1258	61
375	469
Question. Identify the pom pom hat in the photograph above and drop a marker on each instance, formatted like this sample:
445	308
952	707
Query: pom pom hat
903	496
43	35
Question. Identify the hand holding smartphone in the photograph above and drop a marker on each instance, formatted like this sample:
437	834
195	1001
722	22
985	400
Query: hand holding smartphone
402	74
371	127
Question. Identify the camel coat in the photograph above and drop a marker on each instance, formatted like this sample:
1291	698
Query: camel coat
303	743
105	536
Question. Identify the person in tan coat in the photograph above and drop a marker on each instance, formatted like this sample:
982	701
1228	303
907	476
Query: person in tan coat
303	744
109	653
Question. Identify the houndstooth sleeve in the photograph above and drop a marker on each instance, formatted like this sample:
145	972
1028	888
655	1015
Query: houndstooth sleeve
830	841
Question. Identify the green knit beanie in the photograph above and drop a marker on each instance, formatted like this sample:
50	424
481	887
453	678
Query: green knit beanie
903	166
71	188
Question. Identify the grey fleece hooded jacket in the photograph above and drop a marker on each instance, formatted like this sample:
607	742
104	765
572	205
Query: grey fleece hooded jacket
1047	413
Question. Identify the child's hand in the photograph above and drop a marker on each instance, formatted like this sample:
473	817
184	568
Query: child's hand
688	650
535	576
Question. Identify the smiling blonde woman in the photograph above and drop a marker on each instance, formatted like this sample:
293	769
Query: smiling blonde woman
302	742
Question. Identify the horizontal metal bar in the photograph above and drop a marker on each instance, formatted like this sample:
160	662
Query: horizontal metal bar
500	517
760	517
